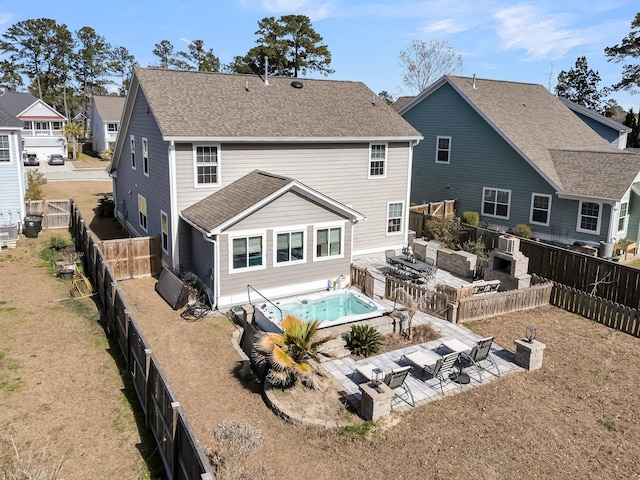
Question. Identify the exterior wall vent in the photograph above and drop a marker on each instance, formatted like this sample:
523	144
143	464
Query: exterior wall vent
297	84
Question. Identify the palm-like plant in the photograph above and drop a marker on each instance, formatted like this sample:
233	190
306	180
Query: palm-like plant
289	352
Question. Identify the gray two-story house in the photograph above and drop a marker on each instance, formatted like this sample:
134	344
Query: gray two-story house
275	183
515	154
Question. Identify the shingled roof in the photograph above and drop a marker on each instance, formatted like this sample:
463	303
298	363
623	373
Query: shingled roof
241	197
16	102
8	120
109	107
230	106
540	127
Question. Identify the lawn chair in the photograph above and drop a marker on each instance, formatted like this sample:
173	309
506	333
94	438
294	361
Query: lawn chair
443	370
395	380
479	353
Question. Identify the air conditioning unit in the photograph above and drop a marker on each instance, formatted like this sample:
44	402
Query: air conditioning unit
508	244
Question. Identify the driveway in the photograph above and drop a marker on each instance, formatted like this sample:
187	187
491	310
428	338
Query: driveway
67	172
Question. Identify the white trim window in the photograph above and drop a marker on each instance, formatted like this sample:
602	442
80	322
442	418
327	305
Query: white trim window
206	165
540	209
112	127
394	217
5	149
247	253
142	212
164	226
443	149
377	160
496	202
589	215
328	243
145	156
622	216
289	247
132	147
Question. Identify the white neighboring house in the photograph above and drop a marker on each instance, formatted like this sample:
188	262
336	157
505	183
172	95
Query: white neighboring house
42	125
12	177
105	121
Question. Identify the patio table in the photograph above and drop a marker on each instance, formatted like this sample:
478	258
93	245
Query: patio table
456	345
417	267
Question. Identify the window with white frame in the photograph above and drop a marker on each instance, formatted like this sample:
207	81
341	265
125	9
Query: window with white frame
133	151
5	150
112	127
164	224
145	157
394	217
443	149
377	160
27	125
289	247
496	202
328	242
142	212
206	165
56	125
540	209
247	252
622	217
589	217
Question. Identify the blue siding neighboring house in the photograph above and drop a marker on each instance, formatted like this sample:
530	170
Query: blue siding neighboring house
517	155
613	132
12	174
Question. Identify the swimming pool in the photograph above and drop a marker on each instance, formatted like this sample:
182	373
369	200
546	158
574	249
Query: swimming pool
330	308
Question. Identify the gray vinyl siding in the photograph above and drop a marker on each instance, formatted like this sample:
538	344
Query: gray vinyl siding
634	217
339	171
130	182
608	133
482	158
12	184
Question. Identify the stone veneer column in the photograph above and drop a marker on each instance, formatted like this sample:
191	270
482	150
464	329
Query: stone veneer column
376	401
529	354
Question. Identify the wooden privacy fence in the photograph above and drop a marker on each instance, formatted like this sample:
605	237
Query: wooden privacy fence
361	278
179	448
487	305
610	314
133	257
592	275
419	214
428	301
55	213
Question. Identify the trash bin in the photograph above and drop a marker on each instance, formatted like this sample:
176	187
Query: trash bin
32	225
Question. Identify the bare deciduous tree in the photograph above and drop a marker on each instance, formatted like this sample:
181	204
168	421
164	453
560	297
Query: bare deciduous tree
425	62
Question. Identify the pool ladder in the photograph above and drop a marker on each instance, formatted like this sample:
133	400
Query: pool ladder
249	288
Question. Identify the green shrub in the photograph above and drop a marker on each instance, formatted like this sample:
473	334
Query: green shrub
58	243
445	230
476	247
364	340
35	179
471	218
106	206
523	230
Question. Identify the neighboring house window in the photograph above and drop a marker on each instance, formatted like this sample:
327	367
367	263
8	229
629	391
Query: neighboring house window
112	127
623	216
540	209
589	217
145	157
328	242
443	149
57	125
5	151
247	252
394	217
27	125
289	247
133	152
142	212
377	160
495	202
164	223
206	165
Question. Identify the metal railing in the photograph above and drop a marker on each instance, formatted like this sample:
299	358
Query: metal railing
249	288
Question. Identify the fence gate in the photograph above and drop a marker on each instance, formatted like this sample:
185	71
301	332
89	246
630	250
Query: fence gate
56	213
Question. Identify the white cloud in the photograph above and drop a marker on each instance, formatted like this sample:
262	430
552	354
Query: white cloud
311	8
447	26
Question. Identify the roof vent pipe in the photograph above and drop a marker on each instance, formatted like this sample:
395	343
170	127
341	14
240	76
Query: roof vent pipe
474	81
266	70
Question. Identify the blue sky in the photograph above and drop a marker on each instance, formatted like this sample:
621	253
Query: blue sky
498	39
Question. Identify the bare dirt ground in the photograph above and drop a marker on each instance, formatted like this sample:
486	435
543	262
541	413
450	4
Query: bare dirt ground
60	387
578	417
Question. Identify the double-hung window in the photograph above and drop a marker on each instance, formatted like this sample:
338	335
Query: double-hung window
540	209
377	160
622	217
132	141
5	150
206	165
329	242
496	202
142	212
164	224
112	127
145	157
289	247
394	217
443	149
247	252
589	217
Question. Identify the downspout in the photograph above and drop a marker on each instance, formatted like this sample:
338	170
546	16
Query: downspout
175	247
612	219
216	268
412	145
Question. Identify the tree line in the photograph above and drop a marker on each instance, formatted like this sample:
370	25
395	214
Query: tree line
65	69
